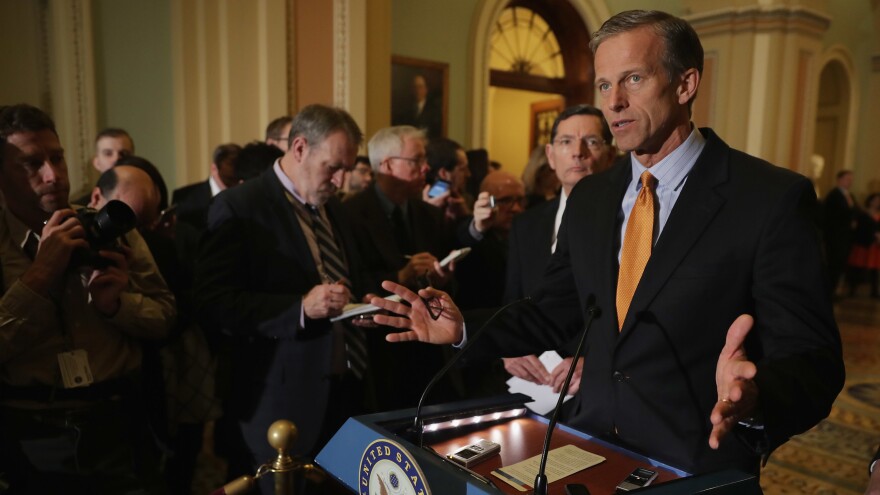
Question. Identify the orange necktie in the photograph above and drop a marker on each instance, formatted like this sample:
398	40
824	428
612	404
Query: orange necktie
637	243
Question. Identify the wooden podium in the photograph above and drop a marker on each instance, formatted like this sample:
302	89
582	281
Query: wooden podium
385	441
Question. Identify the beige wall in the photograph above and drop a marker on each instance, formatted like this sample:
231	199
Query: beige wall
133	77
186	75
230	76
436	31
509	126
313	31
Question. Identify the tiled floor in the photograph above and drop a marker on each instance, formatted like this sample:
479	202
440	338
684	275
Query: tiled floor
832	458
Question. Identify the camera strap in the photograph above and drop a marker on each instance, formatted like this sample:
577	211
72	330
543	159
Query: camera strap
73	363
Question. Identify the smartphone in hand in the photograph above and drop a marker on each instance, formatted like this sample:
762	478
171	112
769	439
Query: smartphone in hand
440	187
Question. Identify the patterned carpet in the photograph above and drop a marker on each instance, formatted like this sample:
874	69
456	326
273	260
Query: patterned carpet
832	458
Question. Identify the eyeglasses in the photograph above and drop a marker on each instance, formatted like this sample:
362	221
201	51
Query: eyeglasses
509	201
592	142
419	160
433	305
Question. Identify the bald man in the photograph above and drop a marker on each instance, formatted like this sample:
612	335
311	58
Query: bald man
481	275
133	187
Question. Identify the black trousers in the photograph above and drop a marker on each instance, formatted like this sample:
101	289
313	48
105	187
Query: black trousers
104	447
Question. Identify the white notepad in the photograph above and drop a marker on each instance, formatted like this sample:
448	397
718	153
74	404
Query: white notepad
352	310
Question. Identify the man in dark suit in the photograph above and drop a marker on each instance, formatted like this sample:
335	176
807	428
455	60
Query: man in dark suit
424	112
277	262
728	330
839	226
481	275
193	200
580	145
400	238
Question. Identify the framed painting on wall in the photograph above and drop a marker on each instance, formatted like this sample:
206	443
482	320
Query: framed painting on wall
420	94
543	115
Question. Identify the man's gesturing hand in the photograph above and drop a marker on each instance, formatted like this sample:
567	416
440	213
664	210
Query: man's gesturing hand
734	378
416	317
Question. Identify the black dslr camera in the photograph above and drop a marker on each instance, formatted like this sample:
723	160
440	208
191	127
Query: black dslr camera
103	229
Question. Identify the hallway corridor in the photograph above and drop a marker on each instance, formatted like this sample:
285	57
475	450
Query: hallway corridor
832	458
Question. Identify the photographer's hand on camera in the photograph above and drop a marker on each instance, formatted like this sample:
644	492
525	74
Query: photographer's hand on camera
106	284
325	300
61	236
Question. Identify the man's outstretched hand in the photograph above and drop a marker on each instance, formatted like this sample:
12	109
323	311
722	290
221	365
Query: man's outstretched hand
416	317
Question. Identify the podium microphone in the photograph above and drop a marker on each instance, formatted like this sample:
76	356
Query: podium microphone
417	421
593	312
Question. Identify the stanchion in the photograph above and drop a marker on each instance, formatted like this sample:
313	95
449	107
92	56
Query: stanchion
282	435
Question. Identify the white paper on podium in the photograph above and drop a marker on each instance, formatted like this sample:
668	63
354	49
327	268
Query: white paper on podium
544	396
561	462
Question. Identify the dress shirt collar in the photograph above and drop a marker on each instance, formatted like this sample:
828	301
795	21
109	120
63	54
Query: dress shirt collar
287	183
215	188
672	170
563	199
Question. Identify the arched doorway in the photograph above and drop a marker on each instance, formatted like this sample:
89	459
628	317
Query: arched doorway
830	147
589	14
539	62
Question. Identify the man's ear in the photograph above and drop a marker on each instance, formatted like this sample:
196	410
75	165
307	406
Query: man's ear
445	174
96	198
299	147
385	166
687	86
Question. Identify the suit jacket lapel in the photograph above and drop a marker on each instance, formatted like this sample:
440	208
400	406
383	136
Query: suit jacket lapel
545	234
696	206
607	244
298	248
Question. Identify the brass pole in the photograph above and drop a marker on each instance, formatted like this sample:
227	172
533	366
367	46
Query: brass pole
282	435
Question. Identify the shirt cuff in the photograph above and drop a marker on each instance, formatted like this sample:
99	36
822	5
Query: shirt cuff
463	337
472	230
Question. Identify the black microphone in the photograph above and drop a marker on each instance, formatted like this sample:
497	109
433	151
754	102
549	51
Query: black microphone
417	421
593	312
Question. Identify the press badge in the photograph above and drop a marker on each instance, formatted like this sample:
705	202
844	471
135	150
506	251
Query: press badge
75	371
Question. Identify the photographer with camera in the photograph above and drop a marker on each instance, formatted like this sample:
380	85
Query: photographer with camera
76	301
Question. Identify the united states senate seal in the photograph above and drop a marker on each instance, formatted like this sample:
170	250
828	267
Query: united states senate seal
388	469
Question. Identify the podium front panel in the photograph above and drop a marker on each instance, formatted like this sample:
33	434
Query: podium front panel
378	448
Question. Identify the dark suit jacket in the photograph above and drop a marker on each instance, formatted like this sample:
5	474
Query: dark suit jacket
192	203
839	217
254	268
741	239
375	235
481	275
529	244
408	366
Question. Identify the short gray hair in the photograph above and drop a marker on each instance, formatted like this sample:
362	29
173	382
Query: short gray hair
316	122
682	49
389	142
